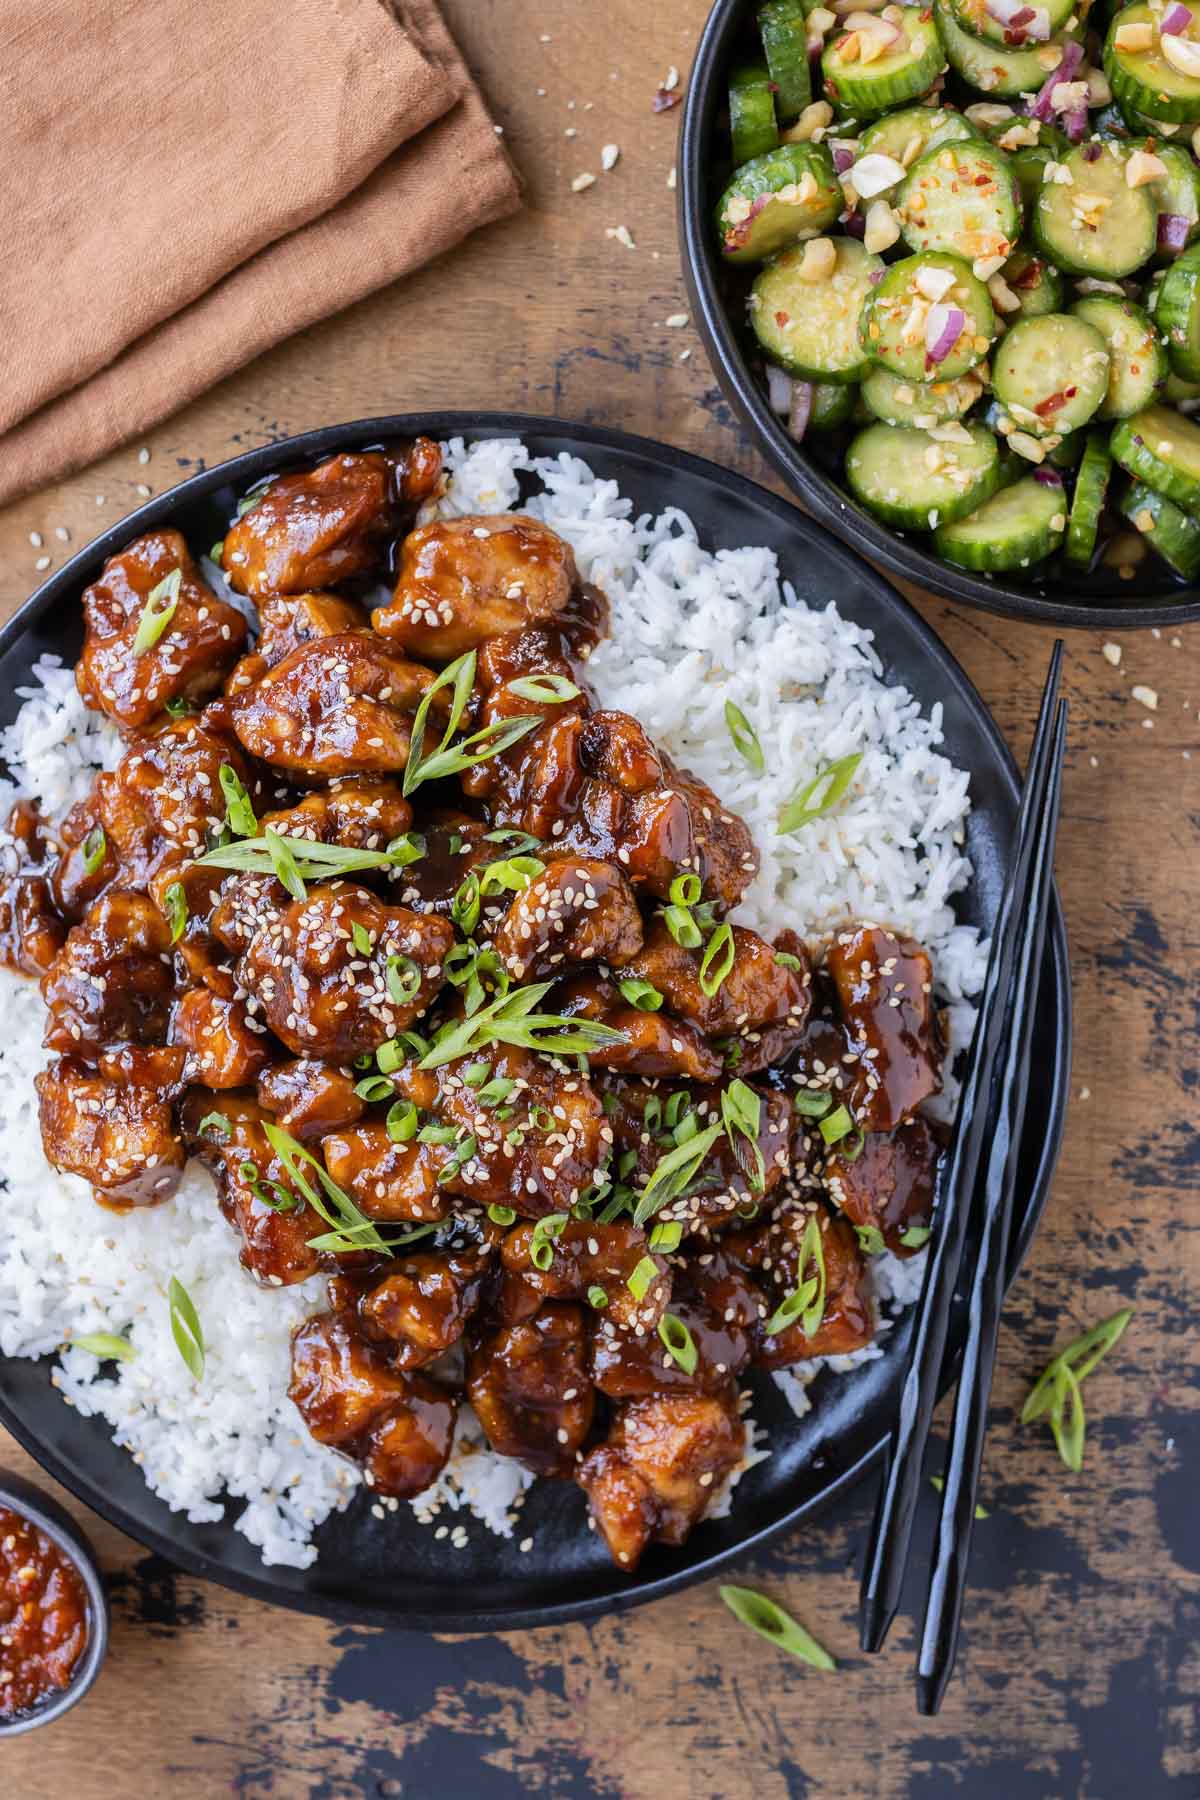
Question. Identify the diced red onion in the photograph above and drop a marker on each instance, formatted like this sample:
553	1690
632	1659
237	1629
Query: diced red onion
1075	123
842	159
1091	152
1173	229
1047	477
875	277
943	328
1175	20
855	224
1005	11
1038	27
1072	56
779	389
802	399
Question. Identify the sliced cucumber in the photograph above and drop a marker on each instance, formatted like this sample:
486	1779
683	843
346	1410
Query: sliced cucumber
919	403
995	71
833	404
1016	527
909	133
1094	223
902	73
1067	451
1161	448
1137	362
1177	314
783	26
1177	193
1036	283
962	198
1146	81
973	16
1174	534
1050	373
910	478
897	309
777	199
1181	393
752	123
1087	502
1029	145
810	328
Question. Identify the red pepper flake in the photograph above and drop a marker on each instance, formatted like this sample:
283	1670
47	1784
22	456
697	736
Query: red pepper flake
1054	401
665	99
782	318
1091	153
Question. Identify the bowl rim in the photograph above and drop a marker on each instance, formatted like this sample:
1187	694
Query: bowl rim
828	503
22	1496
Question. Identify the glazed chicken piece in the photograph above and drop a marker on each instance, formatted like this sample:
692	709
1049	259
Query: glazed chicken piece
885	992
115	1133
890	1184
309	1098
587	1256
112	980
288	620
225	1048
652	1043
455	846
323	994
529	1386
173	779
575	911
174	874
423	1306
200	643
723	1312
350	1395
728	1178
464	580
225	1130
31	930
246	906
343	706
771	1252
312	531
761	1005
361	814
665	1459
387	1180
727	854
106	834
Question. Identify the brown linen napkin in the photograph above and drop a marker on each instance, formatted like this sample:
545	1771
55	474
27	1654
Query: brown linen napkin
204	181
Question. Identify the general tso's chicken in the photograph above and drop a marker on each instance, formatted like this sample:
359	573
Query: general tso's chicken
342	706
575	911
652	1044
309	1098
593	1262
339	973
198	644
225	1130
889	1184
722	1311
112	980
424	1304
118	1135
32	931
664	1460
308	532
359	814
226	1049
247	905
350	1395
463	580
174	778
455	847
106	834
729	1177
727	856
288	620
529	1386
772	1253
387	1180
174	878
885	991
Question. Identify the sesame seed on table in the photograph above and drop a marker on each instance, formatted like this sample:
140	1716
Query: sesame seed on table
1077	1673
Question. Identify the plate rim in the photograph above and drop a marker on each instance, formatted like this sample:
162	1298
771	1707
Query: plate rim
446	423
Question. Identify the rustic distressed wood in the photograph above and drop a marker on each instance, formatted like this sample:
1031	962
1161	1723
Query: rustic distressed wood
1079	1672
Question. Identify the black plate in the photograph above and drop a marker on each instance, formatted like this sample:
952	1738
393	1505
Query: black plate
1053	594
396	1572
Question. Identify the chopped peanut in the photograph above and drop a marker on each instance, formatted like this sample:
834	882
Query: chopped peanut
1002	295
817	117
882	227
1143	167
1027	446
819	260
1134	37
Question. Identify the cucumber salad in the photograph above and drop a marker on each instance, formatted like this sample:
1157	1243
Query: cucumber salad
974	238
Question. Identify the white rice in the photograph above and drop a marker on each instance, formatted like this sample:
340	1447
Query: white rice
690	630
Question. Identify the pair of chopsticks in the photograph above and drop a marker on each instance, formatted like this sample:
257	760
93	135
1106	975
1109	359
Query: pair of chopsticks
979	1179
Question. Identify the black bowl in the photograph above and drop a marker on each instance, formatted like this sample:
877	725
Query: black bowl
395	1572
20	1496
1055	596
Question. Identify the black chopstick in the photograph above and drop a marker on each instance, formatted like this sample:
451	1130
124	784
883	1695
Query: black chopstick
891	1531
947	1586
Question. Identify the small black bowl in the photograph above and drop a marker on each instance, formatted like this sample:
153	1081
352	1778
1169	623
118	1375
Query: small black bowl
20	1496
1055	596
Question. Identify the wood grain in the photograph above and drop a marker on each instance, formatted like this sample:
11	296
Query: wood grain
1080	1672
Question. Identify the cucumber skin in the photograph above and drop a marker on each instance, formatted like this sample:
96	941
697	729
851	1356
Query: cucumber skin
1034	546
1177	314
1087	504
1082	340
1175	536
1061	258
752	132
1130	448
870	97
781	24
1015	71
778	352
990	157
916	518
1133	96
762	177
1101	304
832	405
953	366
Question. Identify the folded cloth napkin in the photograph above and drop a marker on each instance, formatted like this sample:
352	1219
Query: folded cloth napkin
190	183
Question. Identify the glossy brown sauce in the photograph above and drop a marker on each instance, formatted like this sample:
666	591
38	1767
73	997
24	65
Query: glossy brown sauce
43	1616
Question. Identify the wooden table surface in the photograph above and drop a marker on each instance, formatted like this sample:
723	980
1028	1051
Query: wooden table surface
1080	1671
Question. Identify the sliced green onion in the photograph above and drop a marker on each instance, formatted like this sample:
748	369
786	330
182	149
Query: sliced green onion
216	1121
673	1113
937	1484
295	860
176	910
683	927
459	675
402	1121
546	689
745	738
374	1087
496	1091
95	848
870	1240
185	1327
268	1193
787	961
597	1297
821	795
501	1215
449	759
806	1302
462	1153
104	1344
1057	1390
475	1074
510	1019
512	872
217	551
541	1244
638	1282
812	1103
249	501
679	1342
717	960
433	1133
396	1051
360	937
915	1236
771	1622
674	1173
352	1229
466	904
741	1114
282	863
518	841
158	612
666	1237
409	848
403	979
685	890
836	1125
238	809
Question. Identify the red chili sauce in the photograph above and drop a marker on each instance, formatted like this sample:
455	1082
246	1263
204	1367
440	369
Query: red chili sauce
43	1615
